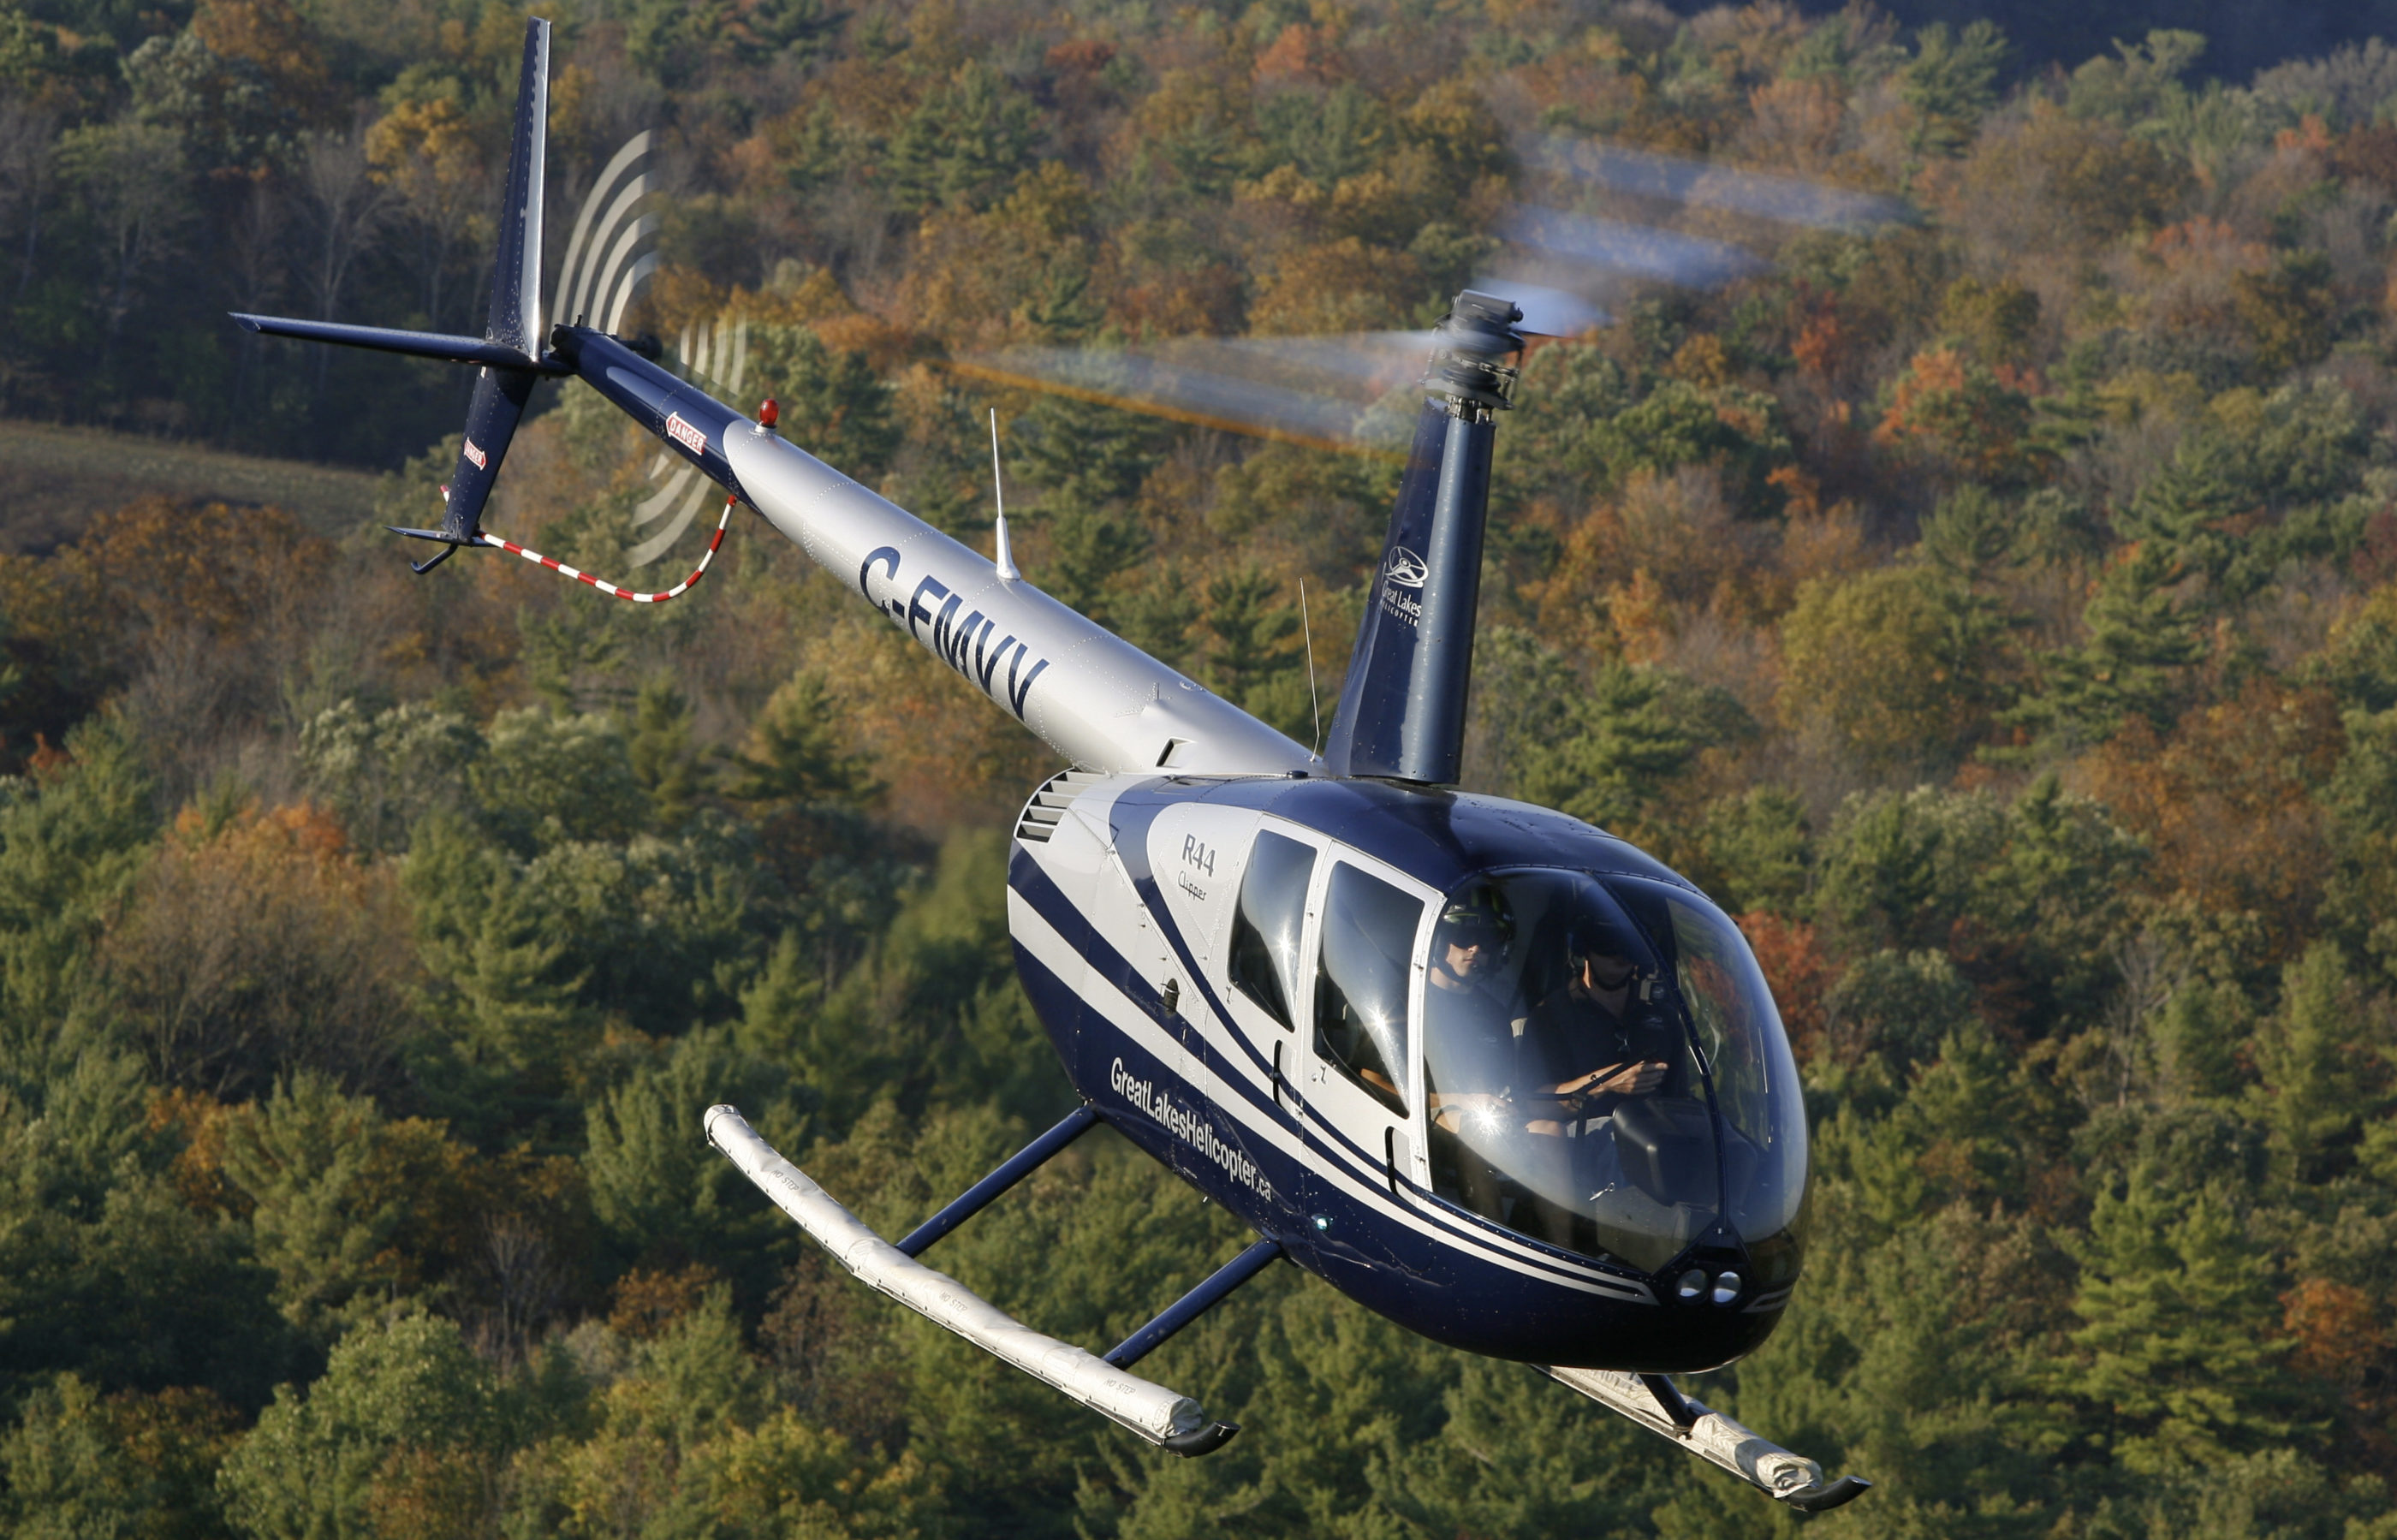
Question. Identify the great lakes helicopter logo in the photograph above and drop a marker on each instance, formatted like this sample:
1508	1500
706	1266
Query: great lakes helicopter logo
1189	1126
1403	570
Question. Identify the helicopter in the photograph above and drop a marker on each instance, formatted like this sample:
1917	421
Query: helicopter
1491	1072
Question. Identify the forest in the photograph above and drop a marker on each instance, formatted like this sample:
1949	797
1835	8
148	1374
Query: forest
1992	604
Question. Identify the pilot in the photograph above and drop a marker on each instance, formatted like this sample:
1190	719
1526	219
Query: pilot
1475	932
1598	1014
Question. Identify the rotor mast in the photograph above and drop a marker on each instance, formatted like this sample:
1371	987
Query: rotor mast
1402	711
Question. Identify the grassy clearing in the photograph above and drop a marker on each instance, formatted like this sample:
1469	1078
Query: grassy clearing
53	478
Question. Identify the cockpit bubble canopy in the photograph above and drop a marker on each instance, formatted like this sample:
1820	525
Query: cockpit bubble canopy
1604	1070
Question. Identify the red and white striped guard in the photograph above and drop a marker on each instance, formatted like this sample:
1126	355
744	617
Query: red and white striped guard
486	538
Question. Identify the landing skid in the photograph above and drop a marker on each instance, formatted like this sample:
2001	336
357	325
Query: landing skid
1165	1418
1651	1400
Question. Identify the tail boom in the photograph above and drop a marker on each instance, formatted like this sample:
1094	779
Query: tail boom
1097	700
1093	697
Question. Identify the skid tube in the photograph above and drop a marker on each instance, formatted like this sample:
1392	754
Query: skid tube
1163	1417
1651	1400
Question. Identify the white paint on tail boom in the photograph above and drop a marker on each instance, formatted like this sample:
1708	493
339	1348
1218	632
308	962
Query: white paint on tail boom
1093	697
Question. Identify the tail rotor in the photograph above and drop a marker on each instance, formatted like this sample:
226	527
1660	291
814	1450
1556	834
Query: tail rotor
603	260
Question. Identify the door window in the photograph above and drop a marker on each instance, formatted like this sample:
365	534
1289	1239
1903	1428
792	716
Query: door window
1361	988
1266	926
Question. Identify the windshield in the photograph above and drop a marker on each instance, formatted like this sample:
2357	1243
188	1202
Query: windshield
1572	1029
1564	1099
1747	1054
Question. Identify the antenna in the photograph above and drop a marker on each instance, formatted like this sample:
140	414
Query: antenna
1316	747
1003	559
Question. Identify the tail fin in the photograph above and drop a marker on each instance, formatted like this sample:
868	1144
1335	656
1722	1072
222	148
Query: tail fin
512	350
499	391
515	266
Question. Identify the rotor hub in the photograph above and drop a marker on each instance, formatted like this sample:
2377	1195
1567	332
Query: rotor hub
1468	370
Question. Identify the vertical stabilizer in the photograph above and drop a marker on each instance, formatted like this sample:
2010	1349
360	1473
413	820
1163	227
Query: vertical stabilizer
1401	711
501	393
515	268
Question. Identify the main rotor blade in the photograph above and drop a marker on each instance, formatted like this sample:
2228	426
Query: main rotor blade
1703	184
1547	312
1632	251
1322	392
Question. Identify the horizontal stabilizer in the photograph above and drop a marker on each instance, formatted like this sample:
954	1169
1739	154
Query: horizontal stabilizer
419	344
1161	1416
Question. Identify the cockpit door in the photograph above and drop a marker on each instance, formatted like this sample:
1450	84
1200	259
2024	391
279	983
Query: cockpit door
1361	1003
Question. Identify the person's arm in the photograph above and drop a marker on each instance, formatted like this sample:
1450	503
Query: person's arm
1581	1083
1632	1077
1638	1079
1447	1108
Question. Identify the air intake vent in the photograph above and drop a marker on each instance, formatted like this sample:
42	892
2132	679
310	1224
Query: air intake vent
1049	804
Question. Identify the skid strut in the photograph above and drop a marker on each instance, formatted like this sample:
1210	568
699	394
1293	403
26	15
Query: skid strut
1651	1400
1014	1169
1196	1303
1163	1417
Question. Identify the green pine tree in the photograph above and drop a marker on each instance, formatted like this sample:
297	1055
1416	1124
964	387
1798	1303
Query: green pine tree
2176	1356
663	760
832	404
405	1429
2325	1065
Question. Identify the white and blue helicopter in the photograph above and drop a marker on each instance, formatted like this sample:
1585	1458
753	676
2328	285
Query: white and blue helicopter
1489	1071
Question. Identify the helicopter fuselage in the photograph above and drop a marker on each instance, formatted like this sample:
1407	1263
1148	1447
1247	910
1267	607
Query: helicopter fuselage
1122	898
1122	890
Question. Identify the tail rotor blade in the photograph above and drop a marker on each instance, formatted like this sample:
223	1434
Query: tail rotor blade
571	276
633	279
612	243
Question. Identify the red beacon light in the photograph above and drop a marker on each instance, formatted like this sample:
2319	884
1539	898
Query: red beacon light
768	413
